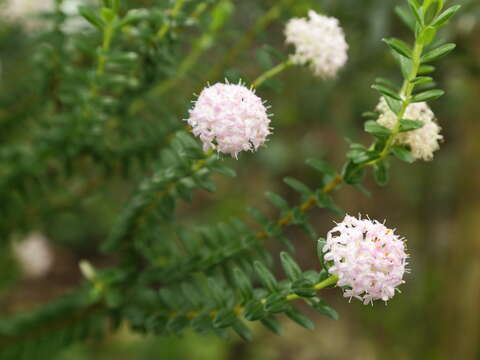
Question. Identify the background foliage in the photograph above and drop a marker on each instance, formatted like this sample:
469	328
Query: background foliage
70	164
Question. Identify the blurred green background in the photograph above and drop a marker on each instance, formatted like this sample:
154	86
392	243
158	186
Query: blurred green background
435	205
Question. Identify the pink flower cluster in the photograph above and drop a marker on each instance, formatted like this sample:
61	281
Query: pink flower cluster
229	118
367	257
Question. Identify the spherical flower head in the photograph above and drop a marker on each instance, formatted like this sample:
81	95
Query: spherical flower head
34	255
319	42
367	257
229	118
423	142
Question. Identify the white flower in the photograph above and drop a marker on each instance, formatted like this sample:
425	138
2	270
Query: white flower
367	257
21	8
34	255
229	118
25	11
319	41
423	142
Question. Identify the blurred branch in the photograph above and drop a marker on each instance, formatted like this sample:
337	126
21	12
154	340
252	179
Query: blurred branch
247	38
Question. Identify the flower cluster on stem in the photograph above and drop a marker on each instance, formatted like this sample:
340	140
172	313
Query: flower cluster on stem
367	257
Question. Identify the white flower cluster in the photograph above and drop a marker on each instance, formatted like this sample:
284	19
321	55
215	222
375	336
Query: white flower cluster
34	255
229	118
423	142
21	8
367	257
319	41
25	12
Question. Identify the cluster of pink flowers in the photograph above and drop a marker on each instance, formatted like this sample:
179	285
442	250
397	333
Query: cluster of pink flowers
367	257
230	118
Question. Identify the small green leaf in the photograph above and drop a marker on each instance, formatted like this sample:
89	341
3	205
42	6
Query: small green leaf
284	241
265	276
428	3
353	173
224	318
399	46
323	308
242	283
358	155
326	201
254	310
405	65
406	17
320	244
409	125
393	104
216	291
132	16
373	127
380	172
223	169
385	82
291	268
438	52
322	166
421	80
107	15
428	95
417	11
258	216
443	18
242	330
277	200
304	288
427	35
440	5
387	92
272	324
363	190
370	114
402	154
426	69
91	17
300	319
277	303
298	186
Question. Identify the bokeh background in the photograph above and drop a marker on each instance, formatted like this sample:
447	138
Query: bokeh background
435	205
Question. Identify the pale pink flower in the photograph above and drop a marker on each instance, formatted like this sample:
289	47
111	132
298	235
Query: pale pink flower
367	257
229	118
